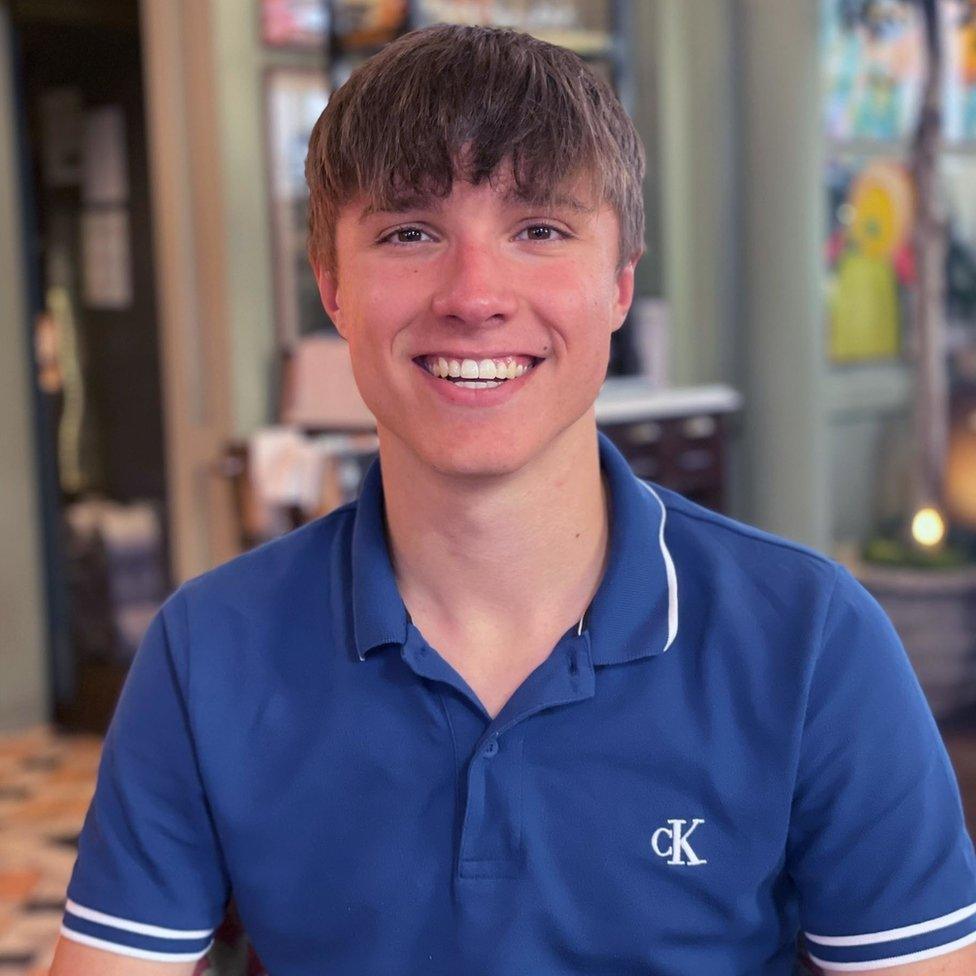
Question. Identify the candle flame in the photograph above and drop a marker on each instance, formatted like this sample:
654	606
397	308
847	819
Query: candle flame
928	527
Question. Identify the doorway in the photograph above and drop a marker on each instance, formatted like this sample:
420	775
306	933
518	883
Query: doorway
96	364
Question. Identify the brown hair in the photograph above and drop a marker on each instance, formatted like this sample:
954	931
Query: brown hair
396	129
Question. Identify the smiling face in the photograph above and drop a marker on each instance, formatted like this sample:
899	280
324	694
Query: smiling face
479	275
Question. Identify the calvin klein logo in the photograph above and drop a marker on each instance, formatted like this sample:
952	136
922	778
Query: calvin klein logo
678	846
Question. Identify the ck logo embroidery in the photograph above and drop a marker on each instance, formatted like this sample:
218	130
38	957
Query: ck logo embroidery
677	843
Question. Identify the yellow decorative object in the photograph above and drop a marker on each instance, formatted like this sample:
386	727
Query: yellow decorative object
864	308
882	199
864	316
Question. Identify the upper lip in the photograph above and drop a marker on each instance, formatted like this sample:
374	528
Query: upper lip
476	356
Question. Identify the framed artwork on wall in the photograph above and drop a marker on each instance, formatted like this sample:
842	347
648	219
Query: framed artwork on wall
871	75
365	25
873	64
959	100
294	99
302	24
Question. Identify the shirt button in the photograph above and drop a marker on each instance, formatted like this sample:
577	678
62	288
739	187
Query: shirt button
490	749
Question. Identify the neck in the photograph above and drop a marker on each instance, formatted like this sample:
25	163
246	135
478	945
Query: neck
520	554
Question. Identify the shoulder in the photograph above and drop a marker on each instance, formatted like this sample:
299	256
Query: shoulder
700	531
285	597
777	595
758	580
279	572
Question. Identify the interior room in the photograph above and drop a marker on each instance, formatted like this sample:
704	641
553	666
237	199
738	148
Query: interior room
799	355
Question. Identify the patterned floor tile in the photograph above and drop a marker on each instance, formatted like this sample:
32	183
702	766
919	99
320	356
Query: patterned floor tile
18	885
46	785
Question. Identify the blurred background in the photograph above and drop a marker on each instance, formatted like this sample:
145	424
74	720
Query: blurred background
801	354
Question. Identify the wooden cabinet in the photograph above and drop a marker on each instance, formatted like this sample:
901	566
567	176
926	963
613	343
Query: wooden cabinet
676	438
682	453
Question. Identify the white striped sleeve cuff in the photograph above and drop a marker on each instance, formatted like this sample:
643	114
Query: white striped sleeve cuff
894	947
131	938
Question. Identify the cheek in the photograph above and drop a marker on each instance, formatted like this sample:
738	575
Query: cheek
372	283
583	308
376	310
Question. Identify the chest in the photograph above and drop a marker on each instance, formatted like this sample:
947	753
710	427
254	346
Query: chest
596	835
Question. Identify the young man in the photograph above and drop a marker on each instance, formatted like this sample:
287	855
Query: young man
514	711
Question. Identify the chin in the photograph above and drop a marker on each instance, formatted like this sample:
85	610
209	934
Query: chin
473	461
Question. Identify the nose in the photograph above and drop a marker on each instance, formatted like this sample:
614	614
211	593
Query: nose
476	289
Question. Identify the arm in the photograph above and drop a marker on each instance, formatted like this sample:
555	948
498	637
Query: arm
74	959
149	882
877	844
959	963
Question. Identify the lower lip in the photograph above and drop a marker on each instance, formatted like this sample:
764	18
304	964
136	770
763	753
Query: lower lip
465	396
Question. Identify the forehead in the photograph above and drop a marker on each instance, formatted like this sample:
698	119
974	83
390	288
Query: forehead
364	208
577	195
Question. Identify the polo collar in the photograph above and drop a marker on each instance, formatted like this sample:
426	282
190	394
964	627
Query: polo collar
634	613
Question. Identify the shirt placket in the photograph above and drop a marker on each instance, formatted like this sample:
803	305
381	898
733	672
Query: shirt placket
491	750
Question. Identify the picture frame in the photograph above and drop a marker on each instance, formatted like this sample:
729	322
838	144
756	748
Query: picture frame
294	97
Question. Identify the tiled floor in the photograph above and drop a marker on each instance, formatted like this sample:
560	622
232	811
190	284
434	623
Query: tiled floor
46	784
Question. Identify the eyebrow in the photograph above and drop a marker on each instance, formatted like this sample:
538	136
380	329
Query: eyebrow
512	196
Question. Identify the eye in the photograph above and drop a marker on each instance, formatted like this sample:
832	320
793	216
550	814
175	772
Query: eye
545	227
395	237
389	238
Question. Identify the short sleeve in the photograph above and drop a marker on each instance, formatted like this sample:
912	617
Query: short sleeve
149	880
878	847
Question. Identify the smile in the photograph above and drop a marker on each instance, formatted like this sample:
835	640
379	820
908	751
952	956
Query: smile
477	374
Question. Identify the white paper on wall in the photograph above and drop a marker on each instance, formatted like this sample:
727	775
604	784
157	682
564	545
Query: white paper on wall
106	263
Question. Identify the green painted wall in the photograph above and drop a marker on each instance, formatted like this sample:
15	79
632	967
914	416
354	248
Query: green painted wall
780	273
692	46
23	671
238	71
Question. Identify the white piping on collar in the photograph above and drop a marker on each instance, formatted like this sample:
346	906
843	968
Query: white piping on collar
669	568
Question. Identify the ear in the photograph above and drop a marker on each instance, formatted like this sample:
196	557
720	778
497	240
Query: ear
329	293
624	290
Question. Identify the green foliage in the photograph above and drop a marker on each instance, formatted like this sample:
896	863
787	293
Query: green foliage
890	547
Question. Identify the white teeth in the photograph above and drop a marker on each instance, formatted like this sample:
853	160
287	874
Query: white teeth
472	369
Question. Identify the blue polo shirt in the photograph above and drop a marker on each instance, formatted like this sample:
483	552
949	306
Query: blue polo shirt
731	748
